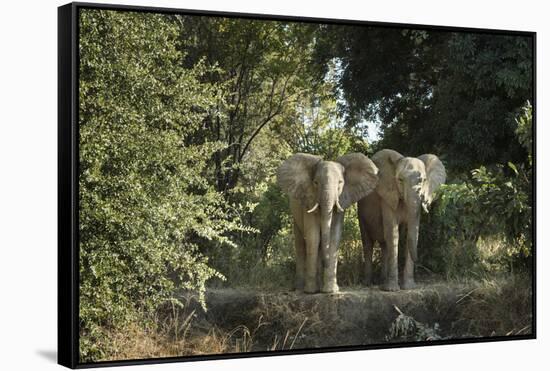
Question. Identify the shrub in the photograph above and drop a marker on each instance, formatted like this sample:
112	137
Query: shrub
350	251
480	225
484	223
146	210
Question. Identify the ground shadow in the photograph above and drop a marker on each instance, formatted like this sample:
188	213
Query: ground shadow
50	355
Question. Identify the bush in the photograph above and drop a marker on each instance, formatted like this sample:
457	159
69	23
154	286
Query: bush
350	251
480	225
147	210
484	223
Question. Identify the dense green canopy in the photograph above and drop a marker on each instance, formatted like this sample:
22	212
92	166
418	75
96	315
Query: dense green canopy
452	93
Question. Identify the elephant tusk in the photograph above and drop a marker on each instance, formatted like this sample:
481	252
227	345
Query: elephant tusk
339	207
313	208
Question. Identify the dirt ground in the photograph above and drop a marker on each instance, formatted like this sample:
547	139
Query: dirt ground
251	320
248	320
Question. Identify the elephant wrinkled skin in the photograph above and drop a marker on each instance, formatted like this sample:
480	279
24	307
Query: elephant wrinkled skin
319	191
406	184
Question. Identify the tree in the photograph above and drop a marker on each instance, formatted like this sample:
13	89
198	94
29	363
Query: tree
263	64
455	94
146	207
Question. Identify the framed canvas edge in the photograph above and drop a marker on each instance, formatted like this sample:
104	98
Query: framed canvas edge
302	19
67	216
305	351
67	212
534	185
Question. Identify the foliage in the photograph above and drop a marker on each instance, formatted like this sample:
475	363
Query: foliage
146	207
484	223
350	259
524	130
263	65
481	225
318	126
406	328
455	94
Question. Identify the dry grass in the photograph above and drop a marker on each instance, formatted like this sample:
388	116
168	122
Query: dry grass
178	332
496	308
135	343
244	321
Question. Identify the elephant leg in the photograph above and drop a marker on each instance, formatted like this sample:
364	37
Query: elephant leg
383	262
300	247
312	235
408	271
330	257
320	270
391	238
367	253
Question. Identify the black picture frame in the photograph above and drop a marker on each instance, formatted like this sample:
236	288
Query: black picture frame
68	170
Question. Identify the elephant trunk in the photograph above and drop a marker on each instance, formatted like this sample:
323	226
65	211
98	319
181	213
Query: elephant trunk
326	222
328	202
413	219
412	232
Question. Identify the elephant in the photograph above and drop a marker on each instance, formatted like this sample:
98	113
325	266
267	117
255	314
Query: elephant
319	192
405	185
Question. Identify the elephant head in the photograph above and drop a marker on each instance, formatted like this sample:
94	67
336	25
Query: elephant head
411	181
327	186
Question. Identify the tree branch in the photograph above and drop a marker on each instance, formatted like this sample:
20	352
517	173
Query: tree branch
266	120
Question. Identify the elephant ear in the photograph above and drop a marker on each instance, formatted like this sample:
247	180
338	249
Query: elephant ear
360	178
295	177
435	175
387	160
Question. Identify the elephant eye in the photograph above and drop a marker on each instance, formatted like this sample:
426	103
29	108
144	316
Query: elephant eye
340	181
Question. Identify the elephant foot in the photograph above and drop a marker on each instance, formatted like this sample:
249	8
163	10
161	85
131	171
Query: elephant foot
328	289
311	289
299	285
408	285
368	282
389	286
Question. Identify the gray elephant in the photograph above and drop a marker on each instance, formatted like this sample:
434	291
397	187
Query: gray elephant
406	184
319	192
